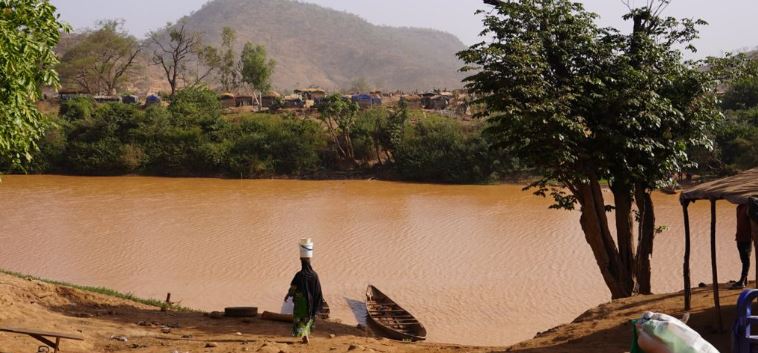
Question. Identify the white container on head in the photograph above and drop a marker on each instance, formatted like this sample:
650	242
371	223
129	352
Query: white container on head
306	248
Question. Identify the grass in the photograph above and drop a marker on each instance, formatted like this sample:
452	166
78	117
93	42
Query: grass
101	290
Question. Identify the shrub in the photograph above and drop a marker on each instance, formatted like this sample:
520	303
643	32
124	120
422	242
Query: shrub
436	149
77	108
264	145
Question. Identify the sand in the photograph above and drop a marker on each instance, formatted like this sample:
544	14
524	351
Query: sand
35	304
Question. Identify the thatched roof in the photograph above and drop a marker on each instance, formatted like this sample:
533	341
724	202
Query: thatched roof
736	189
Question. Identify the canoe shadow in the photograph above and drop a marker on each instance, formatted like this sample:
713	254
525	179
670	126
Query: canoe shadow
359	310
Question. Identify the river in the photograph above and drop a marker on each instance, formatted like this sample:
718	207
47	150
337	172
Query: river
479	265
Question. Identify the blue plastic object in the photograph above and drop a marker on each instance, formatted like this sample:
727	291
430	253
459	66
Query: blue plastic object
743	341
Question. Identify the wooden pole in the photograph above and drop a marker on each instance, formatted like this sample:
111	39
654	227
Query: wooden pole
754	235
714	269
686	269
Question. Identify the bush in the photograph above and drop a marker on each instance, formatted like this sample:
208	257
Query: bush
436	149
196	106
103	144
265	145
77	108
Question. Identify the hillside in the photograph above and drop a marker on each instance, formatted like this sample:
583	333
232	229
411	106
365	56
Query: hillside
313	45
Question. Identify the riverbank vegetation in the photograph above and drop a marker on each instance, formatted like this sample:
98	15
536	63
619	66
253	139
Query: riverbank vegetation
191	137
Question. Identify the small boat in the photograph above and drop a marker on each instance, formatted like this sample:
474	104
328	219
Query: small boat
391	319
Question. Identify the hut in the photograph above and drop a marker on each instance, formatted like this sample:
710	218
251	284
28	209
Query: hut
227	100
244	101
269	99
737	189
129	99
438	102
315	94
64	95
294	101
152	99
107	99
366	101
411	101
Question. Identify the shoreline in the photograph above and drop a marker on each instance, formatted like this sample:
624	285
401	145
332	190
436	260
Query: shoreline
100	313
331	177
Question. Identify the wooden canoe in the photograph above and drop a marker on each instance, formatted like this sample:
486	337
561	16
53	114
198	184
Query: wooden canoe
391	319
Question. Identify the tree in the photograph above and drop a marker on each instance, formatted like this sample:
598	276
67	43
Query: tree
176	50
102	60
228	66
29	31
338	114
580	104
256	69
359	85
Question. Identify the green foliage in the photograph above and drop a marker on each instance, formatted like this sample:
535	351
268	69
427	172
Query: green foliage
256	68
29	32
579	104
437	149
338	114
102	61
77	108
264	145
103	143
737	140
228	68
593	104
743	94
191	138
195	106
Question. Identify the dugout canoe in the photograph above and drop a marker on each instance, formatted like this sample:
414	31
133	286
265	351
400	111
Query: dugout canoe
391	319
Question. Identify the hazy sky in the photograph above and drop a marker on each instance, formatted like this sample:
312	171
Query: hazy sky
732	22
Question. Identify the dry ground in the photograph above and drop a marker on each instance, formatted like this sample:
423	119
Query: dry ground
35	304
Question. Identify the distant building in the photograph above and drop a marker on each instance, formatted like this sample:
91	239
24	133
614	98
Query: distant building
314	94
366	101
436	100
129	99
294	101
411	101
64	95
107	99
152	99
244	101
269	99
227	100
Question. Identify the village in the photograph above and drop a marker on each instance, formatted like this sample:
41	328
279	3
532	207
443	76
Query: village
303	101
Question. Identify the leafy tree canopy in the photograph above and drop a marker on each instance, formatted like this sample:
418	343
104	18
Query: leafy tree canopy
579	104
29	31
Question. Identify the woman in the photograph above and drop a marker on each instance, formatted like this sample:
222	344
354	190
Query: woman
305	290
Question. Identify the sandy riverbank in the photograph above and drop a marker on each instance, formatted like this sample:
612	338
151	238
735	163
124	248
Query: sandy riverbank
35	304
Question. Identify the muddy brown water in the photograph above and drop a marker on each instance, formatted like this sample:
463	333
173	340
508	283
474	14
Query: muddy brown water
480	265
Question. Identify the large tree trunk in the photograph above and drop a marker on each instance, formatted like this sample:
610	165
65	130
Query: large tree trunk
622	196
647	236
595	226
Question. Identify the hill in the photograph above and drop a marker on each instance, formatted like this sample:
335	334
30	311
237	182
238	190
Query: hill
313	45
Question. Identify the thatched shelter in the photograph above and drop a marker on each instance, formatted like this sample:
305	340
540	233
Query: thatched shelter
737	189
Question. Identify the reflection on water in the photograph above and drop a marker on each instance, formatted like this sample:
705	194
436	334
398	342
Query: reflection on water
485	265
